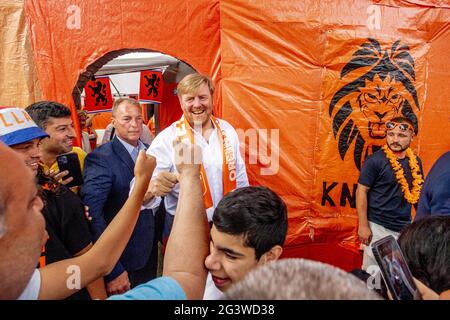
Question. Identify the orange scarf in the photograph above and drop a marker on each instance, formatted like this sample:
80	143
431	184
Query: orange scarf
184	130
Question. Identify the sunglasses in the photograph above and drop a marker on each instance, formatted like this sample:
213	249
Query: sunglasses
403	126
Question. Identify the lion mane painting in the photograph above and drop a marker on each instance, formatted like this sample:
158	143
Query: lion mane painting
360	108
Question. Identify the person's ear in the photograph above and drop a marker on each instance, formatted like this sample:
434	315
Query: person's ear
273	254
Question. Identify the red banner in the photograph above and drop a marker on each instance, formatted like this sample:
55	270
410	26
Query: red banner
98	95
151	86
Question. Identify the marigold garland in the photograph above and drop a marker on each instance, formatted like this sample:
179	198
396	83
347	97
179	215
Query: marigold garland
413	195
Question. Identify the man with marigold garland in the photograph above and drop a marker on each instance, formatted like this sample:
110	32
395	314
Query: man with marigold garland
388	185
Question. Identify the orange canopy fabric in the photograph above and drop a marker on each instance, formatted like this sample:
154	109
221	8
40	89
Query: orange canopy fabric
18	79
303	81
299	66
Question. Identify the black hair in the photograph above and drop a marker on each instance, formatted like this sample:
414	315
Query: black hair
426	247
257	213
42	111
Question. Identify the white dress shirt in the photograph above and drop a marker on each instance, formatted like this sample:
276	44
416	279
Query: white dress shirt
162	150
31	291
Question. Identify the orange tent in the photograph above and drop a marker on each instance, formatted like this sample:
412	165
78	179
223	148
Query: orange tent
303	81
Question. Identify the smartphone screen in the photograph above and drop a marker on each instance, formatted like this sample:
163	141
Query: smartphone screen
70	162
394	269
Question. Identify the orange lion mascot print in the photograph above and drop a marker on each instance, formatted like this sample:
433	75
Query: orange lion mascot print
366	82
360	108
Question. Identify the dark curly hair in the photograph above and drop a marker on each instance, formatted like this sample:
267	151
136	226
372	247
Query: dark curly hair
257	213
426	246
42	111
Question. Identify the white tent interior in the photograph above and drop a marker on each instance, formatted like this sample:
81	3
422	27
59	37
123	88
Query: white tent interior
124	72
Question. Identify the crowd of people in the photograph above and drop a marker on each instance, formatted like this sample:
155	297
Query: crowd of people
187	188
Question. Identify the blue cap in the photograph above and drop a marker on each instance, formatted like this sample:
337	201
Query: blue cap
16	126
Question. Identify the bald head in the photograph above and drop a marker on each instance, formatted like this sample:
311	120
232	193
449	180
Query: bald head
22	224
3	190
300	279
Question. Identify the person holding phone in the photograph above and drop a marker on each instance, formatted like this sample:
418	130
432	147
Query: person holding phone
68	229
22	234
69	162
389	184
55	119
394	269
426	247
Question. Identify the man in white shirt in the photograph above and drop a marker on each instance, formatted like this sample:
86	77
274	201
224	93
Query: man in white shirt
223	168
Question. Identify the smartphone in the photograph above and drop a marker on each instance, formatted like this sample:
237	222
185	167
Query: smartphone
395	271
70	162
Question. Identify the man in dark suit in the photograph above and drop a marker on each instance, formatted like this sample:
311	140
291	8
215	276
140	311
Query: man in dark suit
107	175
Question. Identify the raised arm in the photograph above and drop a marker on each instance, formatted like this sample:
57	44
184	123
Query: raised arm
98	182
105	253
188	243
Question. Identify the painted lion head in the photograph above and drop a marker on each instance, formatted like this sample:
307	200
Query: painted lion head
360	108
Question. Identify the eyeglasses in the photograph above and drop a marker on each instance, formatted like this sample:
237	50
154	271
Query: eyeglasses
403	126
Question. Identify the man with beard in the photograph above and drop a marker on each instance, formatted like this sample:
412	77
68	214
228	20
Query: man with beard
55	119
389	183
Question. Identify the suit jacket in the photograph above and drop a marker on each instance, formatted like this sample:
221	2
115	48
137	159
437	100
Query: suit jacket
108	171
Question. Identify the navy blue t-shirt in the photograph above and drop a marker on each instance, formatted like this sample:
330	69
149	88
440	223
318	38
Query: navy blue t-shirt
386	204
435	196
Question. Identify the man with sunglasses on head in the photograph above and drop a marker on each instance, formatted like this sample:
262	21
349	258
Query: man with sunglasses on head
389	184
